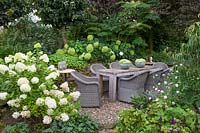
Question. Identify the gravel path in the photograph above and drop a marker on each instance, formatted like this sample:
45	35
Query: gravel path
106	115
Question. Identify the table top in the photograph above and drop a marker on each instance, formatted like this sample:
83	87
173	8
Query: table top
66	71
122	71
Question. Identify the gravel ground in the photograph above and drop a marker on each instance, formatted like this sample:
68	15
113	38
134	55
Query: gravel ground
106	115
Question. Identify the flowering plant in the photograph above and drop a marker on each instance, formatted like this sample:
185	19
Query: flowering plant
28	85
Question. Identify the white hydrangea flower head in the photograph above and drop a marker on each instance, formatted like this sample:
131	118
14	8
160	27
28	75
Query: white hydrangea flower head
14	103
57	93
121	53
52	68
47	119
64	117
32	68
49	111
50	102
165	97
55	87
11	66
176	85
16	115
65	86
75	95
3	95
42	86
25	108
63	101
44	58
20	57
26	114
40	101
3	69
35	80
52	75
20	67
46	92
23	96
12	73
22	81
7	60
37	45
25	88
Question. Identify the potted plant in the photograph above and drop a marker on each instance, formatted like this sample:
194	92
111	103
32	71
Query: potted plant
125	63
140	62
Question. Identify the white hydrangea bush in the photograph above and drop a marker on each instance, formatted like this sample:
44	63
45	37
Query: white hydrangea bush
27	83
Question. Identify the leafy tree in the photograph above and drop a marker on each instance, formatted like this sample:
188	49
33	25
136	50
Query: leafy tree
11	10
61	13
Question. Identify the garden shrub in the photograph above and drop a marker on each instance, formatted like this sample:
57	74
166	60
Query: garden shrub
160	110
20	127
27	83
72	61
79	124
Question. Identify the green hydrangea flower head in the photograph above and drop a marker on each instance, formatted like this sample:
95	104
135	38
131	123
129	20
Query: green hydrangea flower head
37	45
104	49
87	56
112	57
89	48
71	51
60	51
132	52
118	42
81	57
90	37
116	47
96	44
66	46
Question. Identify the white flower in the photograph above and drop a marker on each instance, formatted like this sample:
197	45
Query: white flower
176	71
52	68
52	75
47	119
165	97
173	103
23	96
181	64
20	67
177	92
37	45
12	73
75	95
40	101
26	114
157	99
42	86
65	86
161	91
156	89
35	80
7	60
50	102
55	87
22	81
45	58
49	111
3	69
11	66
19	57
64	117
57	93
176	85
176	77
25	108
3	95
25	88
46	92
14	103
150	98
156	75
31	68
29	53
63	101
159	83
121	53
15	115
165	82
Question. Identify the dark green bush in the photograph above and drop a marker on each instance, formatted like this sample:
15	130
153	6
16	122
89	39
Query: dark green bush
79	124
72	61
20	127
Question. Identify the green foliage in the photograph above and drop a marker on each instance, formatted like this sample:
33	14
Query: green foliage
60	12
72	61
79	124
22	35
187	75
11	10
20	127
